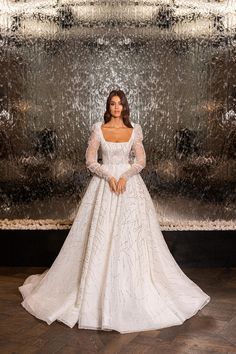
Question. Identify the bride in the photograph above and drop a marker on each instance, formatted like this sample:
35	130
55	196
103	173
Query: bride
114	270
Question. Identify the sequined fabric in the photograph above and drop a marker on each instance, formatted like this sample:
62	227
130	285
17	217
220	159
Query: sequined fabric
114	270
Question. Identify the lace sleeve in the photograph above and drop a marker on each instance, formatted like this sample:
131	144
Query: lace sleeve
91	155
140	155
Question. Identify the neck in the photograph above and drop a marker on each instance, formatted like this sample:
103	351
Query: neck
117	122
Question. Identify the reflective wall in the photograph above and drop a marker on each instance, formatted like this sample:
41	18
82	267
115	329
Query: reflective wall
176	62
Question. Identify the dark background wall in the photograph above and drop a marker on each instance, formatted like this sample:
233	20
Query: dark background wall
189	248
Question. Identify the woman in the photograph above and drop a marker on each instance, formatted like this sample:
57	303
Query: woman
114	270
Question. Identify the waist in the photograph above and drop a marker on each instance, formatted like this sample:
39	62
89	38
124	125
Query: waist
126	164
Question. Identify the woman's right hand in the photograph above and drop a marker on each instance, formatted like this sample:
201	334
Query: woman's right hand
112	183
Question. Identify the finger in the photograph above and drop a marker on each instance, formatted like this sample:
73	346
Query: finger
119	188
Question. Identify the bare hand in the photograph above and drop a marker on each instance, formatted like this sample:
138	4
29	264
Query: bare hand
121	185
112	183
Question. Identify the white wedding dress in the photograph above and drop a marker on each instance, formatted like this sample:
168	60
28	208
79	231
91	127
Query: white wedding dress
114	270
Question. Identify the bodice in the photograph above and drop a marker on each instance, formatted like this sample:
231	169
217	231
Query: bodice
115	153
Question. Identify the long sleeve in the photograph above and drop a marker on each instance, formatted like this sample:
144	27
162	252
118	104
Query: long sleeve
91	155
140	155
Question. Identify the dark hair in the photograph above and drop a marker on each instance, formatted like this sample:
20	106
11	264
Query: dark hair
125	111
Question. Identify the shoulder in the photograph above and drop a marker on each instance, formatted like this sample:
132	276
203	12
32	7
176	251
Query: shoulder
138	130
94	130
136	125
95	126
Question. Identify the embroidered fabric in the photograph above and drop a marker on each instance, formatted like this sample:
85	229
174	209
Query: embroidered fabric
91	155
101	170
114	270
140	155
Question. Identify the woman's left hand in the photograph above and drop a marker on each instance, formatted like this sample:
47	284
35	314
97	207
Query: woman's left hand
121	185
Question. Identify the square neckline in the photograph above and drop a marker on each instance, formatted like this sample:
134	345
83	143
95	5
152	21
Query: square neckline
113	142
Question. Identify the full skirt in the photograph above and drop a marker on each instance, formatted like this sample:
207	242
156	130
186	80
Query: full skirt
114	270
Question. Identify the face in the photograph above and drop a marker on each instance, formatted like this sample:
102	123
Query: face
116	106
